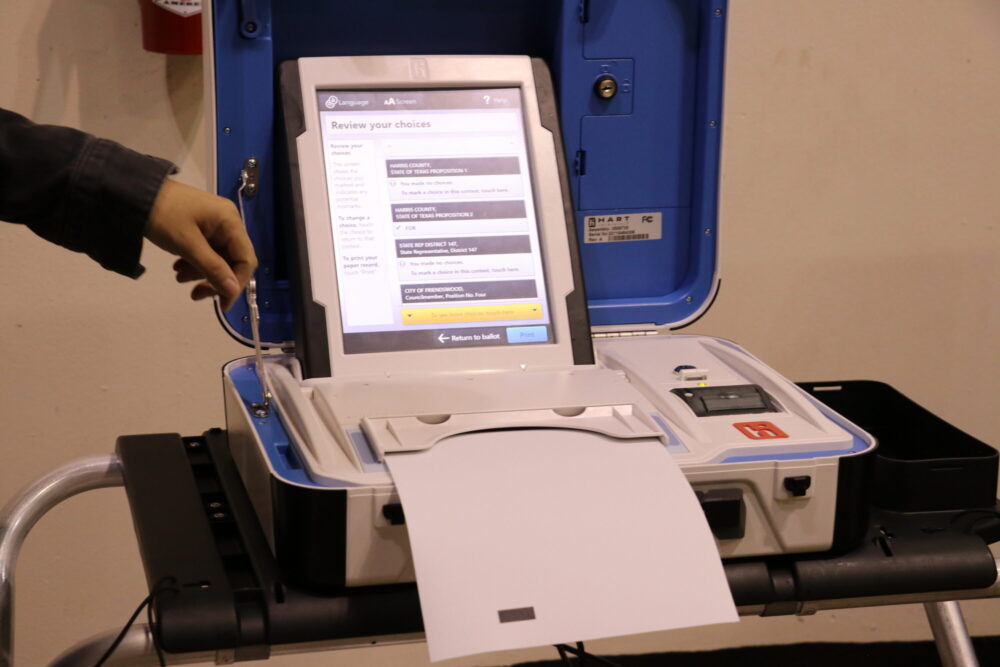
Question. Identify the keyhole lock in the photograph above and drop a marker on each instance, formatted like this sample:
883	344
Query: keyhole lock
606	87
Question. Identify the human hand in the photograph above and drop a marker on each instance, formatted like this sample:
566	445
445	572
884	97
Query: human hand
206	232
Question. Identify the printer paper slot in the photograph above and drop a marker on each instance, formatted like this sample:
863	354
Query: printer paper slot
414	433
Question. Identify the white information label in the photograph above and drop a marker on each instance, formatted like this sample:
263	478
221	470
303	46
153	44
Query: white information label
183	8
623	227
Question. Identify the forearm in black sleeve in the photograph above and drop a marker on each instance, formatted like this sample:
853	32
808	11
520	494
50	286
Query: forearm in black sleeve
86	194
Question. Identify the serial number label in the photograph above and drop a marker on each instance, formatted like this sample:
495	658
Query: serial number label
623	227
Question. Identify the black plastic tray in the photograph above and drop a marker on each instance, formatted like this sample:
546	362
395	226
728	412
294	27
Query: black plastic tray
922	463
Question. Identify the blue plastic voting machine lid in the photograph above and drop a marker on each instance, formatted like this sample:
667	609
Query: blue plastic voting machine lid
643	162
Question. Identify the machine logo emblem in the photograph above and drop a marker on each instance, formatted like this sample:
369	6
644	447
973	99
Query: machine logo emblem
419	70
760	430
332	101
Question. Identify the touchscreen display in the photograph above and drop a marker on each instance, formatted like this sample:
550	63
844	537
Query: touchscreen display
434	230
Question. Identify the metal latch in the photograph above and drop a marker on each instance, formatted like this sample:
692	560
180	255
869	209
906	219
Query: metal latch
249	188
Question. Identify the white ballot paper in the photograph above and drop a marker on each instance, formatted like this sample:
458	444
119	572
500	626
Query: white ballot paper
543	536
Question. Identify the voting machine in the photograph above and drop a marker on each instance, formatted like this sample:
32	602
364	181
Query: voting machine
436	255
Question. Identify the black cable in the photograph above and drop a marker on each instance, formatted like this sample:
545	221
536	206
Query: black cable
151	623
584	657
163	585
121	635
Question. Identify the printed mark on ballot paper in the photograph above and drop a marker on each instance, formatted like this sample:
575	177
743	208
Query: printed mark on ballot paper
518	614
623	227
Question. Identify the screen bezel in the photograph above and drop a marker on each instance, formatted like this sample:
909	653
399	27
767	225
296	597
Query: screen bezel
444	104
428	73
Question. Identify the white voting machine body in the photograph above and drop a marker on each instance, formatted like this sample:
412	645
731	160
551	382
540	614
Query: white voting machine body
440	268
444	323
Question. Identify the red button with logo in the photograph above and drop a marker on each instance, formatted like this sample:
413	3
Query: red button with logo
760	430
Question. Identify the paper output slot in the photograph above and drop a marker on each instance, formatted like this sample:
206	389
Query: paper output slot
407	434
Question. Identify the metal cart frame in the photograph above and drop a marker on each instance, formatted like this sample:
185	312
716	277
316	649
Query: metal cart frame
25	509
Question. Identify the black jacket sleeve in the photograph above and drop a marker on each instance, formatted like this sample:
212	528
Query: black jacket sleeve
87	194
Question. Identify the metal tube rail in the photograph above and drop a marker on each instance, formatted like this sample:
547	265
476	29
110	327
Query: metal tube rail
809	607
950	634
25	509
135	650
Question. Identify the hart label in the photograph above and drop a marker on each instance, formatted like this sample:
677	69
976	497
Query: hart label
760	430
622	227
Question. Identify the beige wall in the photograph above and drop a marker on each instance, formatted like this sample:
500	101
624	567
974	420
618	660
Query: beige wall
860	205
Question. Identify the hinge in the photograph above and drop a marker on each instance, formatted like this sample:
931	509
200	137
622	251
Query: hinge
583	11
262	408
580	163
624	334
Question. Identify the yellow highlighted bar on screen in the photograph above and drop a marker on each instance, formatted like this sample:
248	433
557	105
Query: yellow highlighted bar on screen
453	314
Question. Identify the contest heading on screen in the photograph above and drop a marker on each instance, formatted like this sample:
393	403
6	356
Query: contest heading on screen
371	126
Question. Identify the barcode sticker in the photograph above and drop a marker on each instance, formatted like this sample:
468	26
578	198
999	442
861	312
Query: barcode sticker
623	227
